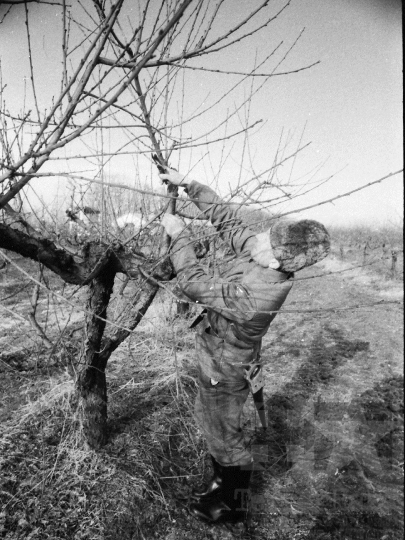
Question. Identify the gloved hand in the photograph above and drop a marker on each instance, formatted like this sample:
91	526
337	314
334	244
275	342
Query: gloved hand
173	225
174	177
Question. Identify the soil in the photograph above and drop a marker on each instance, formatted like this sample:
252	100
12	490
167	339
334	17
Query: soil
328	467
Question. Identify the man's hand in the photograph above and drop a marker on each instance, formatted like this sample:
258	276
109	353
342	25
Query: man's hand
174	177
173	225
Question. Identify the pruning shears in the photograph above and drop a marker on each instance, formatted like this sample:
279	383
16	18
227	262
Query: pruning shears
161	167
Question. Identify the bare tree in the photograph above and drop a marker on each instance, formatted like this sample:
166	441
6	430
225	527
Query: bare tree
125	72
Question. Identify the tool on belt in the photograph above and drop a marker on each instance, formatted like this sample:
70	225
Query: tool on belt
198	319
255	377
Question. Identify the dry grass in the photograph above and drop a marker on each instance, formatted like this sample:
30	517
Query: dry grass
53	486
328	458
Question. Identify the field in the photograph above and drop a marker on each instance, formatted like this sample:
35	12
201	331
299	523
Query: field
330	465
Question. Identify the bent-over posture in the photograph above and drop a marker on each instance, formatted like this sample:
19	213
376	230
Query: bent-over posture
240	303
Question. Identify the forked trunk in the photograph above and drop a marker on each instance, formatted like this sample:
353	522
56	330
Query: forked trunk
91	381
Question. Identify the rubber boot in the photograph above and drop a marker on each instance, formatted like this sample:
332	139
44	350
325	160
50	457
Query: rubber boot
229	504
214	485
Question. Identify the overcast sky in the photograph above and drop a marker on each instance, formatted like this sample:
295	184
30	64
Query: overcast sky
350	103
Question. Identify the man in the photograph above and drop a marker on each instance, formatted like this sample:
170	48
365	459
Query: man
240	307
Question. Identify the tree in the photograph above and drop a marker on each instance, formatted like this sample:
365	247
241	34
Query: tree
125	72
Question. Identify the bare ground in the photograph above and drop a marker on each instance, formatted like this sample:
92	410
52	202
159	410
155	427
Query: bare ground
329	467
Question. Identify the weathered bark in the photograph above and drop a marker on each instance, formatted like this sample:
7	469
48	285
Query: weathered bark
91	381
129	320
44	251
70	267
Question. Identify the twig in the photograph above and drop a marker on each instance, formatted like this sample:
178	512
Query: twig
343	194
57	134
242	73
232	203
64	82
30	60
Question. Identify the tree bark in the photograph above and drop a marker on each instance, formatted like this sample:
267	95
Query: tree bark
129	320
91	380
44	251
69	267
97	268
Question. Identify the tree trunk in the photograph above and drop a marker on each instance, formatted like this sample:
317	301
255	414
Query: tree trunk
129	320
91	381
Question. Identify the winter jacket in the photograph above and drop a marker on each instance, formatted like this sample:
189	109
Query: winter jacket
241	302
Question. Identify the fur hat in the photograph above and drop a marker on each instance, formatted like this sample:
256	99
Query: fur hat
297	244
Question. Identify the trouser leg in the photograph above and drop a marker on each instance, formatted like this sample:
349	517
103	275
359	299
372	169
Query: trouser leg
218	412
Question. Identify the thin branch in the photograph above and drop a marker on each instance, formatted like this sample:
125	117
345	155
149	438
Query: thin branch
343	194
207	49
30	60
64	82
58	133
15	2
243	73
31	315
53	146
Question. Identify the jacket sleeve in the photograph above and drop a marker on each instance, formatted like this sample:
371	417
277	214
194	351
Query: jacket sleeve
232	300
223	216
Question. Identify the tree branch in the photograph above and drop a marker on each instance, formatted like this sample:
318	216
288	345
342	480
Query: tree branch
43	251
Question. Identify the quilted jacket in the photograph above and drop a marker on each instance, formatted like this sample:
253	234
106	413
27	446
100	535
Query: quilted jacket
241	302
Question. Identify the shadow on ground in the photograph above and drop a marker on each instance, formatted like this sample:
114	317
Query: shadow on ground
335	465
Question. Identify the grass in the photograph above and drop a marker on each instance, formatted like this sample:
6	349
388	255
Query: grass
328	468
53	486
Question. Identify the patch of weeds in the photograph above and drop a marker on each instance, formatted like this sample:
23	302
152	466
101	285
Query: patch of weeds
52	486
48	480
158	449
